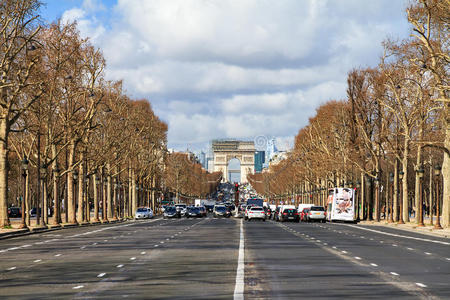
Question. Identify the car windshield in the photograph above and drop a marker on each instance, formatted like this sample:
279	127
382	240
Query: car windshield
290	210
170	209
141	210
317	208
221	208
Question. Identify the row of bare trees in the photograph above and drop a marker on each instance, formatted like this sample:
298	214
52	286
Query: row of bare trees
186	178
390	136
87	144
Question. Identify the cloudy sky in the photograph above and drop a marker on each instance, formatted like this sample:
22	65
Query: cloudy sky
235	68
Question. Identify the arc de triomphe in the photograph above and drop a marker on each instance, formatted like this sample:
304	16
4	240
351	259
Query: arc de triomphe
225	150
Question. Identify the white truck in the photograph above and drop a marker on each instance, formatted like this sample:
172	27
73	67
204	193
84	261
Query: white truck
203	202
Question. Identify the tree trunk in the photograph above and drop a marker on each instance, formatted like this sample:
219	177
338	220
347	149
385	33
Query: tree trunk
72	219
80	210
405	207
446	173
28	199
134	195
417	179
56	207
96	219
4	132
108	192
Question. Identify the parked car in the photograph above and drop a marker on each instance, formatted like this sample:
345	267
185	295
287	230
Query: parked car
33	212
171	212
193	212
143	213
256	212
221	211
14	212
290	214
209	208
317	213
304	214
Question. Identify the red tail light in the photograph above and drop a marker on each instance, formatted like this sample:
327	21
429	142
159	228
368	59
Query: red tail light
285	214
296	214
310	213
325	213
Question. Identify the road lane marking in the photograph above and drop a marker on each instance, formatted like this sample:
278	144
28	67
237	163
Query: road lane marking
132	258
427	253
57	255
143	252
119	266
410	249
12	268
421	284
343	251
448	258
240	272
156	245
101	275
37	260
78	287
394	245
396	235
357	257
395	274
374	265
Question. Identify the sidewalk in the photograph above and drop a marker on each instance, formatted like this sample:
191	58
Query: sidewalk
412	227
14	231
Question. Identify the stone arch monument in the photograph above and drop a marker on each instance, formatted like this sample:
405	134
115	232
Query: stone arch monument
225	150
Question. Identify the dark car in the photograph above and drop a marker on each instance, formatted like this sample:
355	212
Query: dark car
171	212
193	212
304	215
290	214
203	210
209	208
14	212
34	210
221	211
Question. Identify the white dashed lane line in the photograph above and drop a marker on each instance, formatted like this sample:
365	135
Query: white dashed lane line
78	287
101	275
132	258
427	253
395	274
142	253
58	255
12	268
37	260
374	265
119	266
421	284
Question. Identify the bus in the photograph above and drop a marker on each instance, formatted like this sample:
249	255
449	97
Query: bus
341	205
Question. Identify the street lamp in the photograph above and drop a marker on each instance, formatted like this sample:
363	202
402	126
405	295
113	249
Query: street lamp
400	217
420	172
391	201
43	172
437	175
24	175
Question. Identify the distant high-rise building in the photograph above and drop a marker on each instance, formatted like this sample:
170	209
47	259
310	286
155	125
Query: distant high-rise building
259	161
203	162
271	150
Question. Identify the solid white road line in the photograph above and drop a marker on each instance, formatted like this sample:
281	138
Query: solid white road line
397	235
240	272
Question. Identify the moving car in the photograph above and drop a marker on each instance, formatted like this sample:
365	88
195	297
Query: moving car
203	211
256	212
221	211
143	213
193	212
171	212
290	214
317	213
182	208
304	214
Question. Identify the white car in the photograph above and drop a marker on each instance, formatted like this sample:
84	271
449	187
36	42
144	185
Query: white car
256	212
182	208
144	213
317	213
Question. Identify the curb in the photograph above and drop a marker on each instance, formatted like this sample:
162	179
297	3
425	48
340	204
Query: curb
30	231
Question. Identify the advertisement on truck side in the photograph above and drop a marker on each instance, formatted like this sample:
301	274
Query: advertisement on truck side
341	205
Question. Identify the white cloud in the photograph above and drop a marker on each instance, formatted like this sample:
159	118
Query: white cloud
226	68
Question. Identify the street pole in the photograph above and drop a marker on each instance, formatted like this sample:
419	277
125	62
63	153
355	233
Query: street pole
24	191
400	215
390	208
437	175
420	173
43	172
